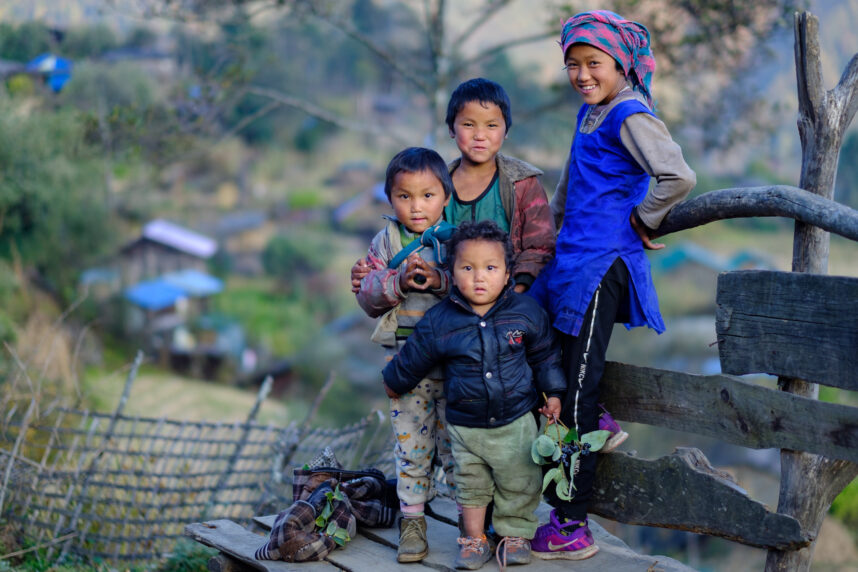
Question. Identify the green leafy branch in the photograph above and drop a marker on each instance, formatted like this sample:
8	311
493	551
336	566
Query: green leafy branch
561	445
330	528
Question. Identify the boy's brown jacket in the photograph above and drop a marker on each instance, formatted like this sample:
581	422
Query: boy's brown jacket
531	225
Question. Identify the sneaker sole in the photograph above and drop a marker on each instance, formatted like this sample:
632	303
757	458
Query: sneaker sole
406	558
615	441
568	554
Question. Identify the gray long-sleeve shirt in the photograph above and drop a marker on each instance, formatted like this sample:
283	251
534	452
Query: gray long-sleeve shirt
648	141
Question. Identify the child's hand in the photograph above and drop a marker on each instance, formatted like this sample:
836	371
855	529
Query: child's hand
551	409
520	288
643	233
390	393
419	275
360	269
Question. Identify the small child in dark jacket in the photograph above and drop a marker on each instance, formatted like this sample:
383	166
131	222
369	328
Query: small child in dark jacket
499	355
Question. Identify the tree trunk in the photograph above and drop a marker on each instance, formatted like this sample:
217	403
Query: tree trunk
809	483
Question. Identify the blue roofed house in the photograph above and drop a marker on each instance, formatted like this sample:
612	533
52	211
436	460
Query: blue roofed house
168	292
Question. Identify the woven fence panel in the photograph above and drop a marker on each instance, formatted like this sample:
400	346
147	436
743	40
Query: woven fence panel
125	487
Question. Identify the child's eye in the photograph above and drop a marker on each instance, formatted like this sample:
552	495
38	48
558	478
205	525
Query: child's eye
429	195
403	196
491	267
466	268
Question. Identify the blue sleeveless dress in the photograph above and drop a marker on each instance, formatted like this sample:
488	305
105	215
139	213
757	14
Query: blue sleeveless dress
605	184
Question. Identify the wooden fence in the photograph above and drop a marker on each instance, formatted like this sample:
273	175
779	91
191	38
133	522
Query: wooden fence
121	489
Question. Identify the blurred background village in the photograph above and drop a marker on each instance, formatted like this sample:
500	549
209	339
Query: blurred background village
195	179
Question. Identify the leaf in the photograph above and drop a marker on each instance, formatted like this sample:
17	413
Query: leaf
327	510
562	489
331	529
572	435
553	474
320	522
556	432
596	439
537	458
545	446
557	453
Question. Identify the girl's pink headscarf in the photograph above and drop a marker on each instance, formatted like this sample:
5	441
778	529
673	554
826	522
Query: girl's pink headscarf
624	40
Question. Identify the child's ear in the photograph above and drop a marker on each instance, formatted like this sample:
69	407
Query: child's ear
451	132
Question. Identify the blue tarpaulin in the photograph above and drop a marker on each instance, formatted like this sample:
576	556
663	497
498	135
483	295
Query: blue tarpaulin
56	70
154	295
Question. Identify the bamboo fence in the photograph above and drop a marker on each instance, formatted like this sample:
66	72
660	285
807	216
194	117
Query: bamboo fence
121	488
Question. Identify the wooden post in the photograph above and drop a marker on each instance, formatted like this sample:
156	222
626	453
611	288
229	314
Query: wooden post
809	483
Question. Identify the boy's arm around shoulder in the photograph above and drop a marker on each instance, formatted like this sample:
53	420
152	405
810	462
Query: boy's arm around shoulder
380	289
650	144
543	351
416	358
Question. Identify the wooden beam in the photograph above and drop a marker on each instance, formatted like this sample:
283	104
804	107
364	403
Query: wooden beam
789	323
773	200
683	491
730	410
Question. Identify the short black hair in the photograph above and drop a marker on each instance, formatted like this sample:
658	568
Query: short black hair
479	230
482	90
414	160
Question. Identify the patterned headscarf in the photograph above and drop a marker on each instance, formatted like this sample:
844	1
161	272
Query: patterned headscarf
624	40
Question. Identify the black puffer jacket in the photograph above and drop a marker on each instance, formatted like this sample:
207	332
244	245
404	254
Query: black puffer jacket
495	367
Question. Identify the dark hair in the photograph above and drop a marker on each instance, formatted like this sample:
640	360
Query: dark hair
414	160
482	90
479	230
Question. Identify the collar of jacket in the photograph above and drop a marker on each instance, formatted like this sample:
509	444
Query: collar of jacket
505	296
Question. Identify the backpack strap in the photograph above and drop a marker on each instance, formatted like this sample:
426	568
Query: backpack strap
431	237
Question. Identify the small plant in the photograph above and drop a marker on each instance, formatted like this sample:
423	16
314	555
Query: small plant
330	528
561	445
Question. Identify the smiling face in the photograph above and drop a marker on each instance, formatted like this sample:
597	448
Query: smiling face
480	273
479	130
417	199
593	74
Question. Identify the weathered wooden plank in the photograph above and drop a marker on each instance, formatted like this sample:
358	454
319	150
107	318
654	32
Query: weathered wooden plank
238	542
613	554
773	200
730	410
683	491
789	323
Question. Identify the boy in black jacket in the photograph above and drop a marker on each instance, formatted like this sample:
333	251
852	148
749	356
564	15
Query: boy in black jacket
499	355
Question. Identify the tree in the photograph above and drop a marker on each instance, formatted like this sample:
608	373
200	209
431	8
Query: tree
53	208
422	52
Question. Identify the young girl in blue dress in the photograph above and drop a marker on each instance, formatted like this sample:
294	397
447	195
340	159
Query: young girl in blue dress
607	214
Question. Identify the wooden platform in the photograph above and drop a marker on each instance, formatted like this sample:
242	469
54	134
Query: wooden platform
375	549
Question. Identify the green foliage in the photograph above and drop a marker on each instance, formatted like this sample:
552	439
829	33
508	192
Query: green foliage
560	446
24	42
96	86
188	556
20	86
52	198
845	505
846	186
287	257
88	42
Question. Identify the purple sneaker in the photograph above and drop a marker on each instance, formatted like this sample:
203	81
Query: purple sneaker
569	541
607	423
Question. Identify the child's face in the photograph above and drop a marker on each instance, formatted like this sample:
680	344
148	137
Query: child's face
480	273
417	199
593	74
479	131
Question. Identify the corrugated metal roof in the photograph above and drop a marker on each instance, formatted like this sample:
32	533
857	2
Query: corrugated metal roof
179	238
